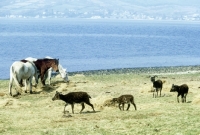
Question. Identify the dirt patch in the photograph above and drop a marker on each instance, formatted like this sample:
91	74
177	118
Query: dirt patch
13	103
196	100
2	94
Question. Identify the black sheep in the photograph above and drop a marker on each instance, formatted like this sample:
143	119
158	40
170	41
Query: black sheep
182	90
157	84
74	97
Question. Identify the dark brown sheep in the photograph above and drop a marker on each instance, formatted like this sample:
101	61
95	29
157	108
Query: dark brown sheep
182	90
74	97
157	84
125	99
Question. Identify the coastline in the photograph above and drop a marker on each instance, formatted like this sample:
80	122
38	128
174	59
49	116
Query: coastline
140	70
136	70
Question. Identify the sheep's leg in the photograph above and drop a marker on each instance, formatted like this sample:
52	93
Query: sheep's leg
134	105
64	108
154	92
185	97
119	106
72	107
123	106
157	91
83	106
182	98
160	92
128	107
88	103
178	98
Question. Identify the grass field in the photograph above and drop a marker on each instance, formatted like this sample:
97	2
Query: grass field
37	114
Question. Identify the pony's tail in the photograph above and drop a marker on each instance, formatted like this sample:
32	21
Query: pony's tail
15	78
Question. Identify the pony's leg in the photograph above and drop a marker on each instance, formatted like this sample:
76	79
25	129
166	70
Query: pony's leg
30	83
21	83
49	76
49	80
16	80
36	81
36	77
43	79
26	83
10	86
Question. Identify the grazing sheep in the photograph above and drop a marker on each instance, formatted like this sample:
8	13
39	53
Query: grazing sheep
125	99
182	90
74	97
157	84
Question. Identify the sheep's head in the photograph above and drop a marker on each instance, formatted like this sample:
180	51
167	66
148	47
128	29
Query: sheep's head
114	100
56	96
153	78
174	88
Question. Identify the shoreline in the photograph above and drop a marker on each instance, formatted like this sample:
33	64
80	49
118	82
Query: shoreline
139	70
136	70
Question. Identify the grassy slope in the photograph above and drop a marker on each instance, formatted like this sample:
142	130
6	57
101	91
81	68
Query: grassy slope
38	114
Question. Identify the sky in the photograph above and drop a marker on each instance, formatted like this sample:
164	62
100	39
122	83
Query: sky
87	8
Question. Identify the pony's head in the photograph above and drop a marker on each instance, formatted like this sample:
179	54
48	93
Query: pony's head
63	73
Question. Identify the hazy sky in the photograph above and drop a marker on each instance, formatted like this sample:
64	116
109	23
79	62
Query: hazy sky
171	2
142	2
147	7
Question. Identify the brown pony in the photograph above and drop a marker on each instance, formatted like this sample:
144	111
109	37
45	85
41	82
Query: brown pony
44	64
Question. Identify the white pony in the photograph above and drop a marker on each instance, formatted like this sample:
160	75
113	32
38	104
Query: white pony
62	71
22	70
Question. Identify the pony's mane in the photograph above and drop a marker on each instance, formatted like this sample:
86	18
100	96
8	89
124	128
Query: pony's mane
24	61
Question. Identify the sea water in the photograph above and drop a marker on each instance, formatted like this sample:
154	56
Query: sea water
85	44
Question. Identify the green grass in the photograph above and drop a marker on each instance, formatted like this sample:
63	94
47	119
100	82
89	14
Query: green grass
37	114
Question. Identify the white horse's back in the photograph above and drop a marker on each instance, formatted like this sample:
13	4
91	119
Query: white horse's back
31	59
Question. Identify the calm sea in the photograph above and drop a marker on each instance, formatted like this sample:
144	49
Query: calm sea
99	44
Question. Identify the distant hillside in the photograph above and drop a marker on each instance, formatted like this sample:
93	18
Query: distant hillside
116	9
